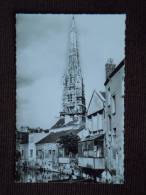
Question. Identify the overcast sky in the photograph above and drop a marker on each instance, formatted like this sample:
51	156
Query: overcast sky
41	58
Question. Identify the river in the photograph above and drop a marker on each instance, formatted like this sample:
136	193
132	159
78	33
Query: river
36	176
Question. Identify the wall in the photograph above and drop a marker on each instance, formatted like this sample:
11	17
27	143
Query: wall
48	160
115	131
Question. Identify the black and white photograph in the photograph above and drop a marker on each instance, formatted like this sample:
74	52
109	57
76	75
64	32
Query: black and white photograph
70	73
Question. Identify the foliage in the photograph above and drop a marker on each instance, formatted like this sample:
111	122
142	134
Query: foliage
17	155
69	142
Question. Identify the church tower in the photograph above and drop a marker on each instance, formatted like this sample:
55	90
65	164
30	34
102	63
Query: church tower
73	86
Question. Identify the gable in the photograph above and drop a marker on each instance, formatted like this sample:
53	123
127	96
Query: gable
96	104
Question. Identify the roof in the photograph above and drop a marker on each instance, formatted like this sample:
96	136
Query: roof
35	137
90	138
96	102
53	137
74	122
115	71
59	123
103	94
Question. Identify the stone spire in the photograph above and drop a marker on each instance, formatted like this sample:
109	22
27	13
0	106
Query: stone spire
73	87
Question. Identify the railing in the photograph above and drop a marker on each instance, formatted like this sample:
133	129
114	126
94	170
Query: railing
93	163
64	160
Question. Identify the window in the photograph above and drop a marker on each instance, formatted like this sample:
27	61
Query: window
108	97
49	152
99	121
114	137
90	145
114	154
71	79
113	104
114	132
100	151
22	152
80	149
31	153
104	113
123	87
65	81
71	88
70	97
109	123
40	154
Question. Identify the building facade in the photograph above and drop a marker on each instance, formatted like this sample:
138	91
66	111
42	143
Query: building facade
95	118
91	157
114	108
27	147
50	154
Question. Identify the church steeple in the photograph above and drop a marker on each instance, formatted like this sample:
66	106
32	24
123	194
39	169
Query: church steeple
73	23
73	87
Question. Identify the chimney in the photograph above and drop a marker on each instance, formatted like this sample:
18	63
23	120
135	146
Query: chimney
109	67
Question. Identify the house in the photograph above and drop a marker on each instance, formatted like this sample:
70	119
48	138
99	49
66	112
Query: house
33	139
68	151
47	152
96	113
91	147
50	154
22	145
114	108
27	146
91	157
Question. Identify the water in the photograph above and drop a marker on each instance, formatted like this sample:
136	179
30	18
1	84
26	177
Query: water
36	176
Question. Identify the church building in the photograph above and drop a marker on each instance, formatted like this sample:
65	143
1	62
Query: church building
73	93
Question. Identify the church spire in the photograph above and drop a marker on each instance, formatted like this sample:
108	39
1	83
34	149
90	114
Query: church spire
73	87
73	35
73	23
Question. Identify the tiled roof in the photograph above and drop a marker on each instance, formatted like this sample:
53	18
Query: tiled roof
61	123
71	123
58	124
53	137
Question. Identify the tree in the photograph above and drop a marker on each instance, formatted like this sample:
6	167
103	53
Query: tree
69	142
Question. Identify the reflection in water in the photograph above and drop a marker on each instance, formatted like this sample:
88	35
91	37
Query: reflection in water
36	176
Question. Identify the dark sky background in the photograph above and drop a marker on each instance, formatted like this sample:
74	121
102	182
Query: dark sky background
42	55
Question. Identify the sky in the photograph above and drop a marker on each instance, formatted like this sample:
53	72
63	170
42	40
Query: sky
42	42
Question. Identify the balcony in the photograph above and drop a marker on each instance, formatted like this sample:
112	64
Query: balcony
64	160
93	163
